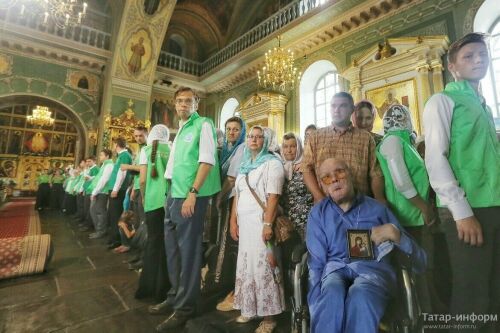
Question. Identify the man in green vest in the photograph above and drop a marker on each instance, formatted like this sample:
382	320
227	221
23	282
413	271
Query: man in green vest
80	198
193	172
140	137
462	157
90	172
117	186
43	193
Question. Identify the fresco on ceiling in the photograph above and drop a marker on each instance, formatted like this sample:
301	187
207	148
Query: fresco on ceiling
138	51
221	9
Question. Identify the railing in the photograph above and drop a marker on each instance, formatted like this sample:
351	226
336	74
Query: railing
291	12
80	34
180	64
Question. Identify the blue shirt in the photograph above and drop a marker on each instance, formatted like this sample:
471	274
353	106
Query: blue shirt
328	249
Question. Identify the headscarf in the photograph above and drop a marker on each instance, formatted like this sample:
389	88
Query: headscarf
220	137
361	104
159	132
289	165
229	149
264	155
274	147
397	118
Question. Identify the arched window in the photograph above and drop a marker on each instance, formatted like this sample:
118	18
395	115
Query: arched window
491	84
176	44
326	87
228	110
317	86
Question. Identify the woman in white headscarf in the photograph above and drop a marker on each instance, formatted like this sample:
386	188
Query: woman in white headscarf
297	201
153	160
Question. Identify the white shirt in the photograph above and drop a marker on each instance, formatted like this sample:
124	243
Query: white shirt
206	152
120	176
235	163
106	173
392	150
438	113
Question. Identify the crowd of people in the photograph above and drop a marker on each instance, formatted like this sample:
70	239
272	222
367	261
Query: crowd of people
343	183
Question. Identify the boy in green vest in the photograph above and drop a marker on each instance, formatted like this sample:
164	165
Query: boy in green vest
117	186
90	172
99	195
193	171
463	162
43	193
80	213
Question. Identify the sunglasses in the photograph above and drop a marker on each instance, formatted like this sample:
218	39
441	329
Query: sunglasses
336	174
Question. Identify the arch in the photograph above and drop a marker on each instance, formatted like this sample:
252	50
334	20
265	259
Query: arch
176	44
487	20
309	83
82	133
228	110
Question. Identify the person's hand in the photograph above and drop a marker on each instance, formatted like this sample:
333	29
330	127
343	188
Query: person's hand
218	201
382	233
124	167
92	198
267	233
234	230
114	194
429	215
122	224
187	209
469	231
132	195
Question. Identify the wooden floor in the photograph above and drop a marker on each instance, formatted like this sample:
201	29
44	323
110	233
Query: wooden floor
86	289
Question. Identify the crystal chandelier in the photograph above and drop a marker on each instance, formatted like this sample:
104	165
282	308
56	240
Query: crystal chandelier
279	71
41	117
64	13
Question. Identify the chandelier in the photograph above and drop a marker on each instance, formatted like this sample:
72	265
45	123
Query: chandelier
64	13
41	117
279	71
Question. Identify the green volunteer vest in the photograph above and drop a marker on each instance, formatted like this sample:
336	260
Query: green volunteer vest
123	157
94	182
57	179
78	182
137	184
70	187
186	154
408	215
92	172
474	153
156	188
43	179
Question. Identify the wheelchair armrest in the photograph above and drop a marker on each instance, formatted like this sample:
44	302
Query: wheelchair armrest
298	252
400	259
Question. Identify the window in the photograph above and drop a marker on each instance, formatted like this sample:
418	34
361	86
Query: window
326	87
317	86
491	84
228	110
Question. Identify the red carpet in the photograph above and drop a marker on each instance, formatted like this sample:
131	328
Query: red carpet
23	250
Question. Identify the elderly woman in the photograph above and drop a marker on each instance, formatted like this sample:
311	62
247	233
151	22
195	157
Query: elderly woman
230	160
297	201
258	290
153	160
364	117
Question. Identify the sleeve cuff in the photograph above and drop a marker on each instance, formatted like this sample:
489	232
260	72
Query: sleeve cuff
460	209
410	193
206	158
405	244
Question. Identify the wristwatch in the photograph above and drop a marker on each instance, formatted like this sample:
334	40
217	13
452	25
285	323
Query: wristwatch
193	190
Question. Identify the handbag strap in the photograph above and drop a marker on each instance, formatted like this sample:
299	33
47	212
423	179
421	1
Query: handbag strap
261	204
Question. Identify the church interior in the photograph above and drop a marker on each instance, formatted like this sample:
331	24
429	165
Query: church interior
75	76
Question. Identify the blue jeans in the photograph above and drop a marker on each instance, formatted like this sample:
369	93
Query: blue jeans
348	303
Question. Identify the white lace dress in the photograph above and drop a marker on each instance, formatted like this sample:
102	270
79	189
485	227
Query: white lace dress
257	292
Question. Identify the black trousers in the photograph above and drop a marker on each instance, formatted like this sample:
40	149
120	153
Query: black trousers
475	270
80	213
154	276
115	210
43	196
56	196
87	220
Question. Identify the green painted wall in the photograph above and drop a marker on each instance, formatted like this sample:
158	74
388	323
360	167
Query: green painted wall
119	104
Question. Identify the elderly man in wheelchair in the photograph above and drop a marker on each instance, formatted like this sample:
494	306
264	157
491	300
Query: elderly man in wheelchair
349	237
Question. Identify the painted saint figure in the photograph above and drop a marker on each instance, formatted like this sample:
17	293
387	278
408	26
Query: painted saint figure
138	51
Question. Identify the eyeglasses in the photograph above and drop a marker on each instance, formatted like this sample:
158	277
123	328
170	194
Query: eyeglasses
251	137
187	101
337	174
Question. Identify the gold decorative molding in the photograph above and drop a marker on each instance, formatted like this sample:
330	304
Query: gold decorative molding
6	62
85	82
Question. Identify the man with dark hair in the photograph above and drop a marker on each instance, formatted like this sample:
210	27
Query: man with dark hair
117	184
140	136
462	156
193	171
342	140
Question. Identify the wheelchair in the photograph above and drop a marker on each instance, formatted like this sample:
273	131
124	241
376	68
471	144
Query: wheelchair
403	313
